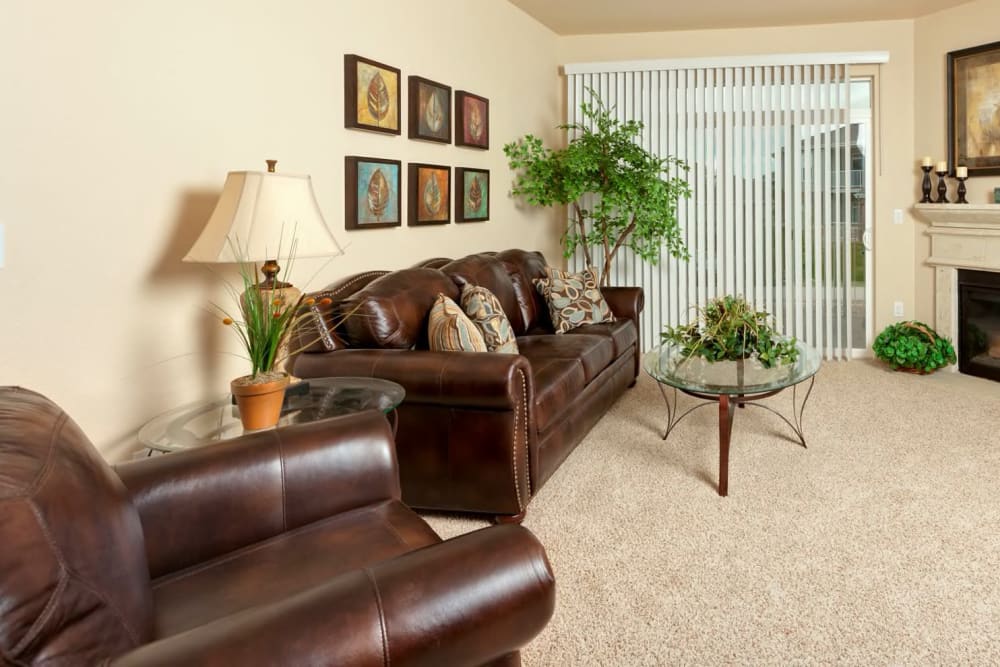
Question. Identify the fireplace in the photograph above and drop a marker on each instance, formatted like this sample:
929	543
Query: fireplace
979	323
965	239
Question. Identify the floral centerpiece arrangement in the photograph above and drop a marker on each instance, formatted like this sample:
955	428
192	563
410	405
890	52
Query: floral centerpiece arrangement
729	329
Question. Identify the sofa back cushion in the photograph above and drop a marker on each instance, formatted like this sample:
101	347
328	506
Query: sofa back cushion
324	328
74	582
391	312
486	270
524	267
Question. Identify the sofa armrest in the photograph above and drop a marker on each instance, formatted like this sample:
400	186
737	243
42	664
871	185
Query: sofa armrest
463	379
462	602
625	302
208	501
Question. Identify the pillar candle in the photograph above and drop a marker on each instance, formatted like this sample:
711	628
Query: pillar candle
927	161
942	166
962	172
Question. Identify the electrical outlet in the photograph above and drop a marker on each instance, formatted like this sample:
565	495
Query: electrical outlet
897	216
897	308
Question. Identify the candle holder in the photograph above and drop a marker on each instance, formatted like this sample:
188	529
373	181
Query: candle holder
925	186
942	188
961	190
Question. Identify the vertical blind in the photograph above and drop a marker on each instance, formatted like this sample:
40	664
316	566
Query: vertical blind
768	150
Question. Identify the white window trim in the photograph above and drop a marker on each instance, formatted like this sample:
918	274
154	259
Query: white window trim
843	58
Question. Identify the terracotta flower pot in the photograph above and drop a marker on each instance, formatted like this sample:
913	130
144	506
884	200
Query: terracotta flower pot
259	402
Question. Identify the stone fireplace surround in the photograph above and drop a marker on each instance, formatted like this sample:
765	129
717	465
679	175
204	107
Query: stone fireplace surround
963	236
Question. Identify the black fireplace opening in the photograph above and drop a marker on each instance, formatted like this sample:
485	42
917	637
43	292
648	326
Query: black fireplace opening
979	323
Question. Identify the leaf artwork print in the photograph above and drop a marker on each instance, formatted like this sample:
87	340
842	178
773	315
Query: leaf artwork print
475	194
378	194
475	123
378	98
432	197
433	113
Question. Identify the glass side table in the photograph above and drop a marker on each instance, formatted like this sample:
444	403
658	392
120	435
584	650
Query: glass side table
729	384
204	422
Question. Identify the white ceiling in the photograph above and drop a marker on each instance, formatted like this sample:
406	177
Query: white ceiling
581	17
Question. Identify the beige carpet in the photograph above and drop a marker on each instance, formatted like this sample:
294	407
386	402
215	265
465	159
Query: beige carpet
879	544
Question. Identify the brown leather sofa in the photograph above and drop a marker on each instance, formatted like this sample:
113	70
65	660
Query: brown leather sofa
479	432
285	547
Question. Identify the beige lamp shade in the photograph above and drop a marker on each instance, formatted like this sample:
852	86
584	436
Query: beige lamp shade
260	214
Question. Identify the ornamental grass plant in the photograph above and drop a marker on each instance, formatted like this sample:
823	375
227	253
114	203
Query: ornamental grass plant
267	320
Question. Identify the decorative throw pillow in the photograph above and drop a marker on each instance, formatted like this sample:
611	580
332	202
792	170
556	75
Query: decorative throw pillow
574	299
485	311
449	330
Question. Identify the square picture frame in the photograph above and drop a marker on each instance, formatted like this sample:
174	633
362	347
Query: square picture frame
974	109
429	194
429	108
472	120
472	194
371	95
372	192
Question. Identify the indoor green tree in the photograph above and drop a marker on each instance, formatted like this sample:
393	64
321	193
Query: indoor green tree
632	198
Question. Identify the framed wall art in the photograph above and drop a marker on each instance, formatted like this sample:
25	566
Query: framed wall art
429	194
372	192
371	95
429	110
472	194
472	120
974	109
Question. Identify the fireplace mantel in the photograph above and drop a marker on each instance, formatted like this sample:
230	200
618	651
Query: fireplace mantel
963	236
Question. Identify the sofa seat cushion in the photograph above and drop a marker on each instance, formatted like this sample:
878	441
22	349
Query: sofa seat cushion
621	332
291	563
558	383
594	353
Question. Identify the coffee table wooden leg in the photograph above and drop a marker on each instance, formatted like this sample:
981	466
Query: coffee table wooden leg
726	410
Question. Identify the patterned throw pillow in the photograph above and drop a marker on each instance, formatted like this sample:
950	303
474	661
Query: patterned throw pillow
449	330
485	311
574	299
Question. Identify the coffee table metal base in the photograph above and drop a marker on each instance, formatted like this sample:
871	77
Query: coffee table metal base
727	410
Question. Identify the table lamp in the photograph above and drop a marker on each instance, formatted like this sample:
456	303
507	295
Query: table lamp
254	212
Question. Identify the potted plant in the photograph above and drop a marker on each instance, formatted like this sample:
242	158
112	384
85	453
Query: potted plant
632	204
729	329
913	347
265	330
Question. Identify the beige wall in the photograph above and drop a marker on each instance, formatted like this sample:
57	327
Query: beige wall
119	123
894	186
958	28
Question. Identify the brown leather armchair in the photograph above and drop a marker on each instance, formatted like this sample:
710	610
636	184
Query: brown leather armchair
285	547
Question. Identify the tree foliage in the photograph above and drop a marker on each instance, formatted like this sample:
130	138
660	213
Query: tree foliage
619	194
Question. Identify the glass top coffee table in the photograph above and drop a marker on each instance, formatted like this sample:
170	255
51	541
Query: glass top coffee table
204	422
729	384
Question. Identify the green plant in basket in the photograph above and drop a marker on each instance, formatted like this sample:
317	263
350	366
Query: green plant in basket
913	346
727	329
